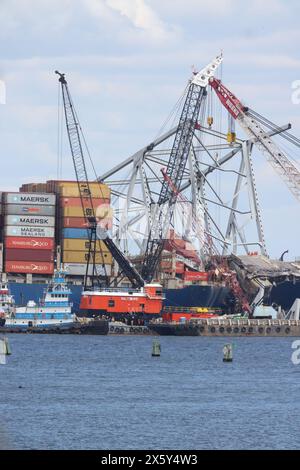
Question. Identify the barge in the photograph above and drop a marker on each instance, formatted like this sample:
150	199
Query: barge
227	327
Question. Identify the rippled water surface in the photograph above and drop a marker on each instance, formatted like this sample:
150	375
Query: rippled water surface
105	392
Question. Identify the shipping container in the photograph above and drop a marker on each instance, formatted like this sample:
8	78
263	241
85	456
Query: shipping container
20	209
102	211
167	266
195	276
73	222
82	257
26	267
76	202
31	199
40	232
72	212
81	233
14	254
29	243
70	189
39	220
71	244
33	188
79	269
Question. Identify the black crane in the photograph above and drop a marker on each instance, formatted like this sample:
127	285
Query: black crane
96	232
175	169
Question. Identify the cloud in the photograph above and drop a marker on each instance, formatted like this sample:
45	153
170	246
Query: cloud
141	16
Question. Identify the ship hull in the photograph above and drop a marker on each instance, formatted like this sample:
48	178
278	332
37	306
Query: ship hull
198	296
94	327
27	323
188	296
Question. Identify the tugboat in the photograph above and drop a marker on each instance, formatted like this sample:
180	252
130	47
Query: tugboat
54	310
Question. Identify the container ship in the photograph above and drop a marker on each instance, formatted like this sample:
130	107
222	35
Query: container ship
42	226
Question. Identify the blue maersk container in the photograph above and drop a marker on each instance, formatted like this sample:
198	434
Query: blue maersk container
81	233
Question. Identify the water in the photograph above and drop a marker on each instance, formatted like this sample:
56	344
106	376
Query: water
105	392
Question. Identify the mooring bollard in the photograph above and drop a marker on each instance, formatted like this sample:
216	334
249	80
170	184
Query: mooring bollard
227	353
4	350
156	349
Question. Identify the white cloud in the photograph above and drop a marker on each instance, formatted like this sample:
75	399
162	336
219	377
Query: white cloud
220	8
141	16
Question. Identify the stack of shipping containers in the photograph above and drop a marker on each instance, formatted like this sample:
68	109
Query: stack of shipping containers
72	232
29	232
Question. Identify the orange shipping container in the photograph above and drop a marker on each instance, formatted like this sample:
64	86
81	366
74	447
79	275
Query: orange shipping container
70	189
82	257
75	244
102	211
76	201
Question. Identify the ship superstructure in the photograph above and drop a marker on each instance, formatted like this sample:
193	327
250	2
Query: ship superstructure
7	303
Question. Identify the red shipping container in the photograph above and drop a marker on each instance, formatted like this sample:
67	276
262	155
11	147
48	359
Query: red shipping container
13	254
179	267
76	202
29	243
166	266
80	222
29	268
73	222
195	276
176	316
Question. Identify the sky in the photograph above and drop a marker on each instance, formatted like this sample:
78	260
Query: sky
127	63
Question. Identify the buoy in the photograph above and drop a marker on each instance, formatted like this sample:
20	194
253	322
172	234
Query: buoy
156	349
227	353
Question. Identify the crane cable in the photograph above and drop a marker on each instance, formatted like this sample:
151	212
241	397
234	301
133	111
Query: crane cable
59	133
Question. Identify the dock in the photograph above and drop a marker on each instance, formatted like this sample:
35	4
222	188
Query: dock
228	327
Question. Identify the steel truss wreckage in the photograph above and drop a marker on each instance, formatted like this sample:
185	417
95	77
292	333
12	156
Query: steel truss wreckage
214	174
195	181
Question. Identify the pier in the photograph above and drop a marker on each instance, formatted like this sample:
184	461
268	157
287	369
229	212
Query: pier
229	327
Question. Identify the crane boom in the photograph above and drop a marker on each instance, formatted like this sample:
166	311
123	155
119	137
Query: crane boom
175	169
96	232
286	169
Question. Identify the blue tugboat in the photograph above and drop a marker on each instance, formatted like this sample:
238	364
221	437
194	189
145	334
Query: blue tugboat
54	310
